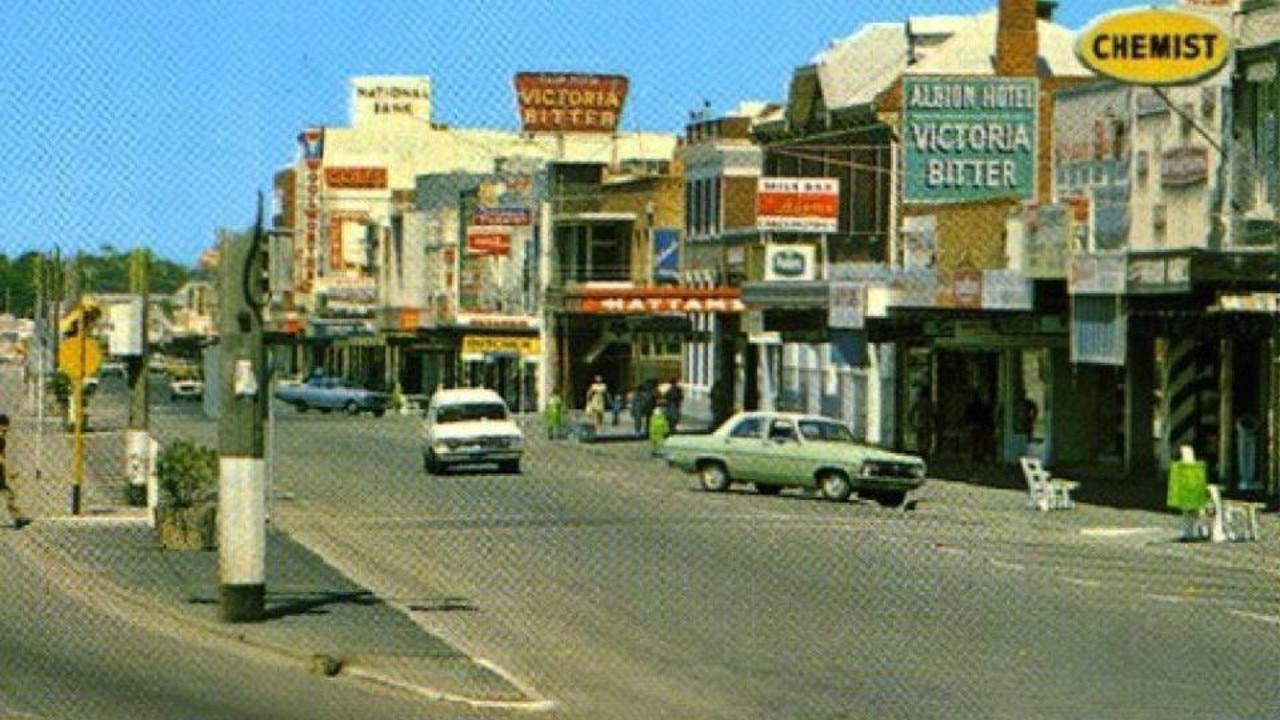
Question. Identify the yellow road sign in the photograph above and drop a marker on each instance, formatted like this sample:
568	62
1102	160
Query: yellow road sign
79	356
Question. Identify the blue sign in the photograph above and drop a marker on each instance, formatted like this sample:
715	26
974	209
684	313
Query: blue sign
666	255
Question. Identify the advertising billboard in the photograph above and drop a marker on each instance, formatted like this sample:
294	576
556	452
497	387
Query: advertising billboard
570	102
666	255
798	204
970	139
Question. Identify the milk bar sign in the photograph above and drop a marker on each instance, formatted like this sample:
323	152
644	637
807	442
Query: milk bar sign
970	139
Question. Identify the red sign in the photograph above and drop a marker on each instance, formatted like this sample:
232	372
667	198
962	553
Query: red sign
966	288
568	102
643	301
489	243
410	319
356	178
798	204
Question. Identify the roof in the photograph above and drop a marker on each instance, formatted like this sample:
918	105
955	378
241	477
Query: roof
972	49
853	71
466	395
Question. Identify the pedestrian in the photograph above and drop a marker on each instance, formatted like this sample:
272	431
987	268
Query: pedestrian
10	500
615	407
658	430
672	401
597	399
641	408
554	415
922	421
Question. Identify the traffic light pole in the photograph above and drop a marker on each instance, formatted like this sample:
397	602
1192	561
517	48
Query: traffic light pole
241	435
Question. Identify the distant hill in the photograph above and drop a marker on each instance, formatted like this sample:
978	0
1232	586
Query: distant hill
106	271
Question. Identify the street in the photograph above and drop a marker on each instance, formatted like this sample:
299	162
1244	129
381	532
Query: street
610	585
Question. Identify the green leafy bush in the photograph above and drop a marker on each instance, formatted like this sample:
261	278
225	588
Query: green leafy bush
187	473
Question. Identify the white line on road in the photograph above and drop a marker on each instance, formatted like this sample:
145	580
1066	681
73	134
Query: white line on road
1018	567
1164	598
1082	582
1272	619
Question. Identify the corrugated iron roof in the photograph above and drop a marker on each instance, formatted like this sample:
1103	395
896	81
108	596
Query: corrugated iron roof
972	49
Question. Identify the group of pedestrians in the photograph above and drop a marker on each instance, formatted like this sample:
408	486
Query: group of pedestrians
647	398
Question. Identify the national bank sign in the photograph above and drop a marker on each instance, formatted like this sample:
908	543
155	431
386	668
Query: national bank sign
969	139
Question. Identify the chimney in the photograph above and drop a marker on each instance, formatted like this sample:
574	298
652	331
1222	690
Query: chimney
1017	39
1045	9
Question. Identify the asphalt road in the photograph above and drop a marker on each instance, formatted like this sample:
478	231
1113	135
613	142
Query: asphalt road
608	584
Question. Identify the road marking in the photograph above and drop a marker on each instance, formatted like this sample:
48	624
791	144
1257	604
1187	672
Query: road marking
1082	582
1120	531
1164	598
1017	567
1272	619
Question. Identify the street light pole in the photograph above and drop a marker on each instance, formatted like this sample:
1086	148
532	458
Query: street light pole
241	433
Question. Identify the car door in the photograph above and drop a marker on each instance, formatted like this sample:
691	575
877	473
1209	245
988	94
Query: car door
744	446
782	463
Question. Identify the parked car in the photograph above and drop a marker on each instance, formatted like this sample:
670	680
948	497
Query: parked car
463	426
189	388
113	369
774	450
329	393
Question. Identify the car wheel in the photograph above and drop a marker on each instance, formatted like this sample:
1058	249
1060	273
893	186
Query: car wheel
379	412
430	464
302	407
510	466
890	498
835	486
714	477
764	489
352	408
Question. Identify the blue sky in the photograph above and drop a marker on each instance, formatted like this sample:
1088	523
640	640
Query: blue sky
154	122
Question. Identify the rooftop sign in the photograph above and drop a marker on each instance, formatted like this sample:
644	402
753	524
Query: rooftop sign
567	102
1154	47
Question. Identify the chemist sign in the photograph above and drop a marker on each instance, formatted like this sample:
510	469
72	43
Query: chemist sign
969	139
1154	46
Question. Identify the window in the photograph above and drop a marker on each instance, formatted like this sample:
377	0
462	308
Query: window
822	431
782	431
747	428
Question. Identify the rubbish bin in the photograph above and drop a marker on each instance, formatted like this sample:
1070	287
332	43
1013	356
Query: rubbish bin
1247	452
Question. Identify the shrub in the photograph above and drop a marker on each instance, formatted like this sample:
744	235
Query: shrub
187	473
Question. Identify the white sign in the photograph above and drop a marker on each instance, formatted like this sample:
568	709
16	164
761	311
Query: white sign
847	307
126	338
790	263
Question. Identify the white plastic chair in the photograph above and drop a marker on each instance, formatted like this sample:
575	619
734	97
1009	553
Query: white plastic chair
1233	520
1045	491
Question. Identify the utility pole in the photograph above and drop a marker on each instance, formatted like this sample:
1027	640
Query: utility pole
137	436
243	295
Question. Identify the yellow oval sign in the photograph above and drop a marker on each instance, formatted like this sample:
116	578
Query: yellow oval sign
1154	47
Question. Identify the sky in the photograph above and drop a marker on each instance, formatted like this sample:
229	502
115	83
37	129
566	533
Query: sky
152	123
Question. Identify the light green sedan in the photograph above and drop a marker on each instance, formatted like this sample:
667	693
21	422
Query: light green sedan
773	450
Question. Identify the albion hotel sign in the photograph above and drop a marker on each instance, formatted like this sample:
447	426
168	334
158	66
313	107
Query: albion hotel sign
969	139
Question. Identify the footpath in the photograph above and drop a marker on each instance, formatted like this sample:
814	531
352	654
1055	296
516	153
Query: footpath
108	557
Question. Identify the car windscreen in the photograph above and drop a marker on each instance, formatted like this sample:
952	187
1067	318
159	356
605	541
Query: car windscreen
818	431
465	412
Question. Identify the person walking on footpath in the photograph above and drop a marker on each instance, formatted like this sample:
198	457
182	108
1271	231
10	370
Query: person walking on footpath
641	407
673	399
597	399
10	500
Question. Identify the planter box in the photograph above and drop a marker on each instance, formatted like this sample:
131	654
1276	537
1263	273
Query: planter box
187	528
